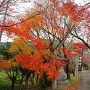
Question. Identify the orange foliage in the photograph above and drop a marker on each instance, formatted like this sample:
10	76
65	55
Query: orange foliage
78	51
39	44
59	63
19	32
70	52
5	64
54	26
80	45
36	64
67	52
38	5
84	59
75	12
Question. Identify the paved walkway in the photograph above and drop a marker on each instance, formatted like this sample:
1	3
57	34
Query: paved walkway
85	81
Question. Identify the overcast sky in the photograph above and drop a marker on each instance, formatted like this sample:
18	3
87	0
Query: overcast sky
80	2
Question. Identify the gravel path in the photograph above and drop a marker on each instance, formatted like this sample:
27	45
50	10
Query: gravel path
85	81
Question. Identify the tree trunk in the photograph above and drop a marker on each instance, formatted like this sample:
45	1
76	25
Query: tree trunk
67	72
26	83
32	81
66	69
67	66
54	84
13	83
21	86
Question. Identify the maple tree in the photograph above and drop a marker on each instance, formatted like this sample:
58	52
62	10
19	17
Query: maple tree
8	12
36	59
46	28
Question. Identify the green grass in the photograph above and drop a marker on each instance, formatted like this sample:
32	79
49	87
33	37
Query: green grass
73	80
5	83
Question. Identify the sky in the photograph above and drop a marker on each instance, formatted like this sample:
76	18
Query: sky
6	39
81	2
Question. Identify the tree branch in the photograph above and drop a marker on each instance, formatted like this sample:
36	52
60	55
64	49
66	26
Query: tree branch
81	40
